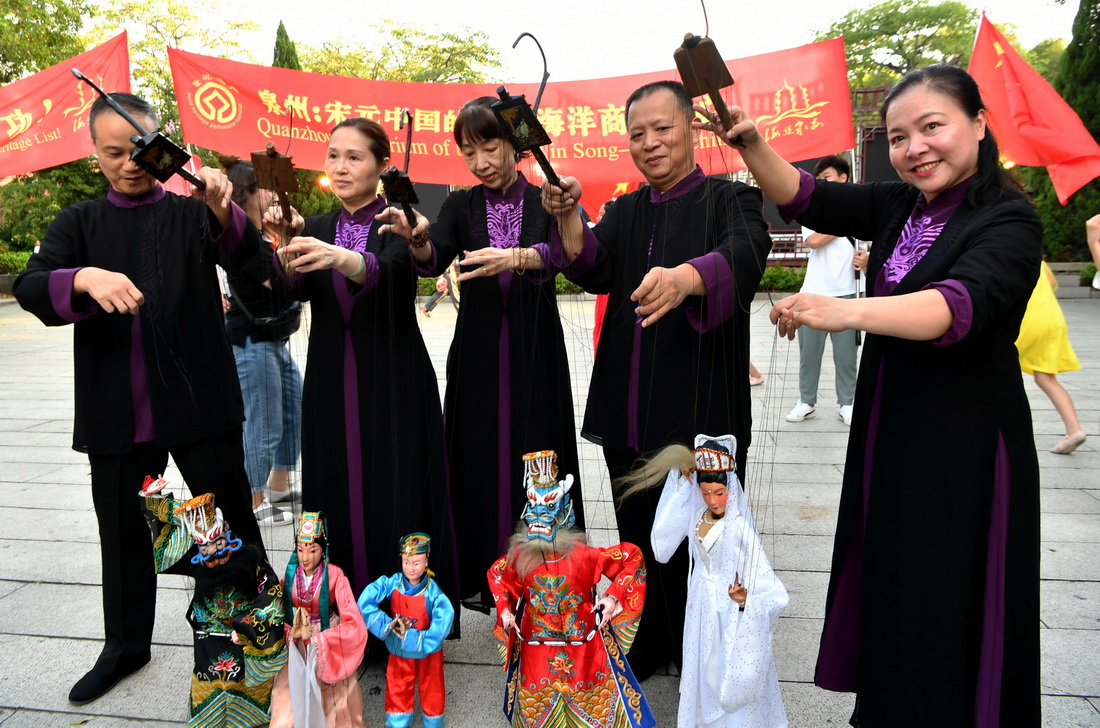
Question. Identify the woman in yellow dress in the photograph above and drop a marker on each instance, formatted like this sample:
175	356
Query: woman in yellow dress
1045	351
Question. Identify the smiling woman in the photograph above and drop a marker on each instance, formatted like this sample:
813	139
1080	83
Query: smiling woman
956	254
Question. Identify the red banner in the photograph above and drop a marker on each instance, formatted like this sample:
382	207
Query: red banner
1034	126
43	118
799	97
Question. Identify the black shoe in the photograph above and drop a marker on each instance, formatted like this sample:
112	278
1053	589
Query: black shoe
95	684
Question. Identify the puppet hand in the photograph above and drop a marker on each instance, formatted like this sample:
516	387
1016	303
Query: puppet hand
153	486
114	292
235	638
491	260
661	290
274	217
821	313
218	190
508	620
742	132
737	590
605	609
561	201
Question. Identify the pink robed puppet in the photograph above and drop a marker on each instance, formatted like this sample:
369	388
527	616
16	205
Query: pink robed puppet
318	688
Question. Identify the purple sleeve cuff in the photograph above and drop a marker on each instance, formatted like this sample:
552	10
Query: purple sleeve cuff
584	260
373	275
962	310
705	313
549	269
426	270
801	201
290	280
229	238
61	296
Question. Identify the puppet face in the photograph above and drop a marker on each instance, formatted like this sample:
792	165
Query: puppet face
933	143
352	168
309	556
661	139
715	496
492	161
113	147
214	552
548	509
414	567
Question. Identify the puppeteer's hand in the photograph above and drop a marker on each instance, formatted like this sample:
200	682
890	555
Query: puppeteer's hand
663	289
738	592
742	132
396	222
218	192
273	217
820	313
561	201
492	261
305	255
114	292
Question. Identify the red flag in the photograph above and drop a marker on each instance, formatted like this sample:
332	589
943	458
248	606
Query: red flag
1034	126
43	117
799	97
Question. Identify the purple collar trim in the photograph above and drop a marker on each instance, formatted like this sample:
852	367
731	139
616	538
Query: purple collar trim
513	195
126	202
681	188
948	199
364	215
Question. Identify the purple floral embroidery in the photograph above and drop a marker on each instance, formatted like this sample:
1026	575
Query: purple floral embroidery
504	220
916	238
352	235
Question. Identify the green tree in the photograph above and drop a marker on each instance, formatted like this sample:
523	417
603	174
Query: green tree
407	53
29	202
1078	82
1046	57
200	27
886	41
286	52
36	34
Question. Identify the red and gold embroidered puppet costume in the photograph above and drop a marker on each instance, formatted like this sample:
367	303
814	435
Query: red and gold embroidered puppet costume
318	687
564	652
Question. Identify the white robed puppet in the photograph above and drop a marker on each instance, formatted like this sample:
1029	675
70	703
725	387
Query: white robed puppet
734	599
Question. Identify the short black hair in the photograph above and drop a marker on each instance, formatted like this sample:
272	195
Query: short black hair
837	162
137	107
683	98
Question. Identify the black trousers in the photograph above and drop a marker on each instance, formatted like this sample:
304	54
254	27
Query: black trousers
661	632
214	465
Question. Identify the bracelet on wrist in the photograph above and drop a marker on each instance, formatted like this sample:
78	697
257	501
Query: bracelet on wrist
362	265
418	241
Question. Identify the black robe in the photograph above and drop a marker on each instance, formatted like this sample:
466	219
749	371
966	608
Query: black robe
403	487
689	381
538	408
165	249
907	606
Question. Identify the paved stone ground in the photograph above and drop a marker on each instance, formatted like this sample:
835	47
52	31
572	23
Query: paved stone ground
50	624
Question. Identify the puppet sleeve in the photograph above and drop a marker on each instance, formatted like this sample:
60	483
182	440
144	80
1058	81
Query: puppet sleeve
379	590
506	591
259	625
340	647
171	541
427	641
624	565
673	519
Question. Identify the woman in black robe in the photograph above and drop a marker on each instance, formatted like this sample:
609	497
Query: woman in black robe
508	387
932	615
372	430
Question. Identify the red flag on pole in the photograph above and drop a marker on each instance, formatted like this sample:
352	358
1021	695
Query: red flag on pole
1034	126
43	118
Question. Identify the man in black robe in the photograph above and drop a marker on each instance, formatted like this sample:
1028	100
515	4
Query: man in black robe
154	373
681	259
